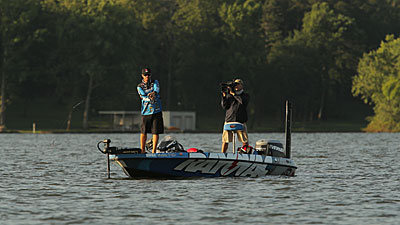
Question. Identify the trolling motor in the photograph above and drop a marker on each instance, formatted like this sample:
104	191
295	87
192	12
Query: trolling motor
115	150
107	149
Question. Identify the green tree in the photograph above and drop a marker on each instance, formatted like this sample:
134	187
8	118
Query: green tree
378	83
281	17
325	31
18	33
197	47
320	53
92	45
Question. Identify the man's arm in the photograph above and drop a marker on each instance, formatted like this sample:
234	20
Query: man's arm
156	89
238	98
142	94
156	86
225	102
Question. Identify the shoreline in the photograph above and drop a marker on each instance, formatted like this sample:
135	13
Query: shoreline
336	126
177	132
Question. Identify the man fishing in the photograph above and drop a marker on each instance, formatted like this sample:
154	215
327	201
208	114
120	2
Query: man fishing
151	110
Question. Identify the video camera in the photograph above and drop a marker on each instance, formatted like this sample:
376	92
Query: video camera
229	85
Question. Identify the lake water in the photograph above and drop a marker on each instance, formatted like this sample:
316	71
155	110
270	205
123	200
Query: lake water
342	178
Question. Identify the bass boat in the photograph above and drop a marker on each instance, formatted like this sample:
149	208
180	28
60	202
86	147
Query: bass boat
173	161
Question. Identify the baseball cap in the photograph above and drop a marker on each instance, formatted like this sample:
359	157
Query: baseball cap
146	71
239	81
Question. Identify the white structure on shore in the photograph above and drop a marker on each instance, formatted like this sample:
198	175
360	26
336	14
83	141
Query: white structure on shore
130	120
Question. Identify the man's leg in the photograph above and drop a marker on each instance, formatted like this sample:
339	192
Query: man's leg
243	136
224	147
143	138
226	138
155	141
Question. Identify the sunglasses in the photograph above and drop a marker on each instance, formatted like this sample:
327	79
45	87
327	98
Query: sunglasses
147	75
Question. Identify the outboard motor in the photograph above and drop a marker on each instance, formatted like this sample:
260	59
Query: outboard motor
169	144
270	147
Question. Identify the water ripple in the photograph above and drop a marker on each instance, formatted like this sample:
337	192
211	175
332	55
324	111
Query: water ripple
343	178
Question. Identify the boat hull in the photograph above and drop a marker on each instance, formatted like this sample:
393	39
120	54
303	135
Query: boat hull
208	164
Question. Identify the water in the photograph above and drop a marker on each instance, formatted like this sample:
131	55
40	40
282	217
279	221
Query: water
343	178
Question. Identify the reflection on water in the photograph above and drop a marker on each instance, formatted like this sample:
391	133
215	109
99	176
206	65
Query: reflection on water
343	178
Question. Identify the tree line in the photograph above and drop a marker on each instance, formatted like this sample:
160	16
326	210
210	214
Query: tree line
72	52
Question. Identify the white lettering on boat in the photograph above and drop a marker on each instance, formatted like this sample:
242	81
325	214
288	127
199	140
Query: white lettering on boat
276	148
226	168
201	165
184	164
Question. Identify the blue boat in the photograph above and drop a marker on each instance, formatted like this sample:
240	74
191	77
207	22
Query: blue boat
204	164
172	160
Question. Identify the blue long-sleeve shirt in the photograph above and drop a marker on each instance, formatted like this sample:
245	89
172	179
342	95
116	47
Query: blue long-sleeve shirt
149	107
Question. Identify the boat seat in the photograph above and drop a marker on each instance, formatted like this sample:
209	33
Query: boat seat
234	126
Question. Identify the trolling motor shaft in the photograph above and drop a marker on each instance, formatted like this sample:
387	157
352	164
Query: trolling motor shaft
107	149
107	146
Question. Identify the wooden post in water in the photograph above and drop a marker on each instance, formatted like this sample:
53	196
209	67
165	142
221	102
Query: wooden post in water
288	128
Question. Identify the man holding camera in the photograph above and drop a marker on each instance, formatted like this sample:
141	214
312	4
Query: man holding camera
152	120
234	100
